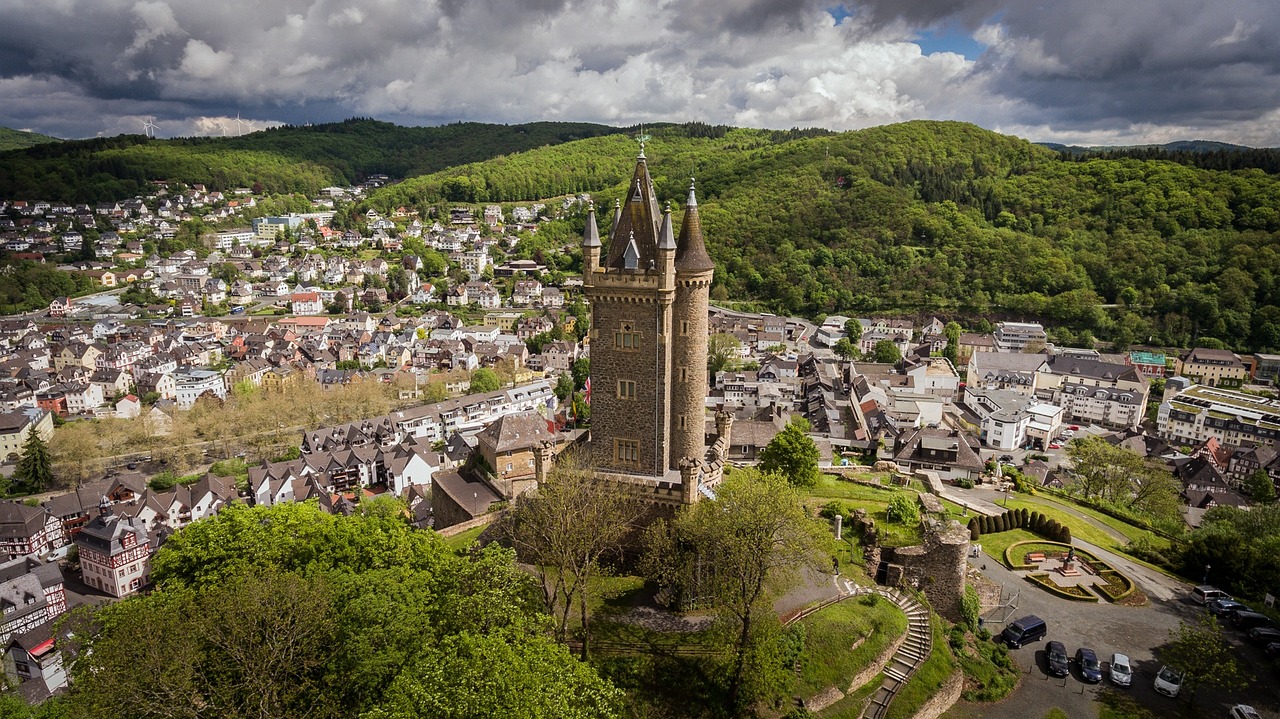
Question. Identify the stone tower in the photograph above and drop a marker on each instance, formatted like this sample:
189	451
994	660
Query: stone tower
649	300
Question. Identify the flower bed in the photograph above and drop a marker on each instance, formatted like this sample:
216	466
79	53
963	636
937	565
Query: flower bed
1117	585
1079	594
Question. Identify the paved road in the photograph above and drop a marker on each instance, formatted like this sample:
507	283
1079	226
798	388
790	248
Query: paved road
1105	628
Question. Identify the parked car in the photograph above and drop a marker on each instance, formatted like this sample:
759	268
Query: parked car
1272	650
1056	656
1006	458
1024	631
1169	681
1243	711
1224	607
1121	672
1055	445
1090	668
1264	635
1074	427
1245	620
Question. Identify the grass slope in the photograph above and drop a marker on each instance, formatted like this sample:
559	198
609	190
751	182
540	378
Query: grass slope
20	139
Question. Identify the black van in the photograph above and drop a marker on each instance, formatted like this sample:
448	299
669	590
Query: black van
1024	631
1248	620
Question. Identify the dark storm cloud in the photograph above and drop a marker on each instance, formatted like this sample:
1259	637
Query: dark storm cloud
1122	70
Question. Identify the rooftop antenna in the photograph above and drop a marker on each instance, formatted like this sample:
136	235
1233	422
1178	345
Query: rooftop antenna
149	127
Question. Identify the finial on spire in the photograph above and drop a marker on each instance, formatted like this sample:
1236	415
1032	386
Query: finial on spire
642	138
693	199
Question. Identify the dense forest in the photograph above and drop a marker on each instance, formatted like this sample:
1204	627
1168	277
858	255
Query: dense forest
944	217
19	139
281	159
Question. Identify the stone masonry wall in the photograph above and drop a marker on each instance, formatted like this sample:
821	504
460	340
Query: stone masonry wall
937	567
689	368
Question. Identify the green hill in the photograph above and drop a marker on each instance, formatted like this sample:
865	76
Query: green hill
19	139
283	159
945	217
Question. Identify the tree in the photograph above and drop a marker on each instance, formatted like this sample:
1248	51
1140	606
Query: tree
565	527
1201	652
845	348
886	352
485	380
792	454
564	386
1260	487
852	328
35	469
735	553
581	370
952	350
721	348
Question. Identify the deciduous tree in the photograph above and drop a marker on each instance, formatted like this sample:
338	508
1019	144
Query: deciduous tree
1204	656
793	454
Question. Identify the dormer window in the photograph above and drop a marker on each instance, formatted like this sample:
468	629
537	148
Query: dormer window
631	257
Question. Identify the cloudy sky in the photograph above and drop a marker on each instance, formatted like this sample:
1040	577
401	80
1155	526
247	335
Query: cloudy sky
1075	71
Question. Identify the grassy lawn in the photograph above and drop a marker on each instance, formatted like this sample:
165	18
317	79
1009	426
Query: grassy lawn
828	660
995	544
459	542
828	487
1080	529
875	499
928	677
1128	530
990	671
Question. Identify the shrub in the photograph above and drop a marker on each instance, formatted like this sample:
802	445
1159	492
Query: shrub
902	510
1037	522
1025	516
1015	519
831	509
964	483
974	530
970	607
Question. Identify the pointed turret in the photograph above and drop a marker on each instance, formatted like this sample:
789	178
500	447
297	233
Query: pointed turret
591	236
691	253
666	236
590	245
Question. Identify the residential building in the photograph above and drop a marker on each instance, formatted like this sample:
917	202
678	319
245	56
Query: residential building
28	531
1197	413
1095	392
192	384
31	594
946	452
16	426
1149	363
115	552
1213	368
1017	372
1017	336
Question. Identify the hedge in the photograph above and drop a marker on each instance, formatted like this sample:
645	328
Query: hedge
1019	519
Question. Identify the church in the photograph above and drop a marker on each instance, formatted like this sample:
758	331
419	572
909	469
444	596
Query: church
649	297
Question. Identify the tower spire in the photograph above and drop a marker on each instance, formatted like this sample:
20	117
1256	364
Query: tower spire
691	252
591	235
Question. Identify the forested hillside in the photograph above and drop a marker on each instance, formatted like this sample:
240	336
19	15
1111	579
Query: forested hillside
282	159
941	217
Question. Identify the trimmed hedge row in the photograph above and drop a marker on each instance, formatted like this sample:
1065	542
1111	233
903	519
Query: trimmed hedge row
1079	594
1035	522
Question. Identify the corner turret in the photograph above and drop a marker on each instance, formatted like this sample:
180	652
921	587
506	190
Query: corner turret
590	244
691	253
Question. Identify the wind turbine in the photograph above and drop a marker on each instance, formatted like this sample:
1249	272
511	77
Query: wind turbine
249	124
149	127
239	125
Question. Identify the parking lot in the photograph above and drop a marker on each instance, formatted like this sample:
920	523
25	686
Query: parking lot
1105	628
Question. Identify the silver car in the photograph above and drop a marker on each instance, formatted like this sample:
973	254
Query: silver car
1120	672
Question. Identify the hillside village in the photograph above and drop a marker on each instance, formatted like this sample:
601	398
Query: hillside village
292	300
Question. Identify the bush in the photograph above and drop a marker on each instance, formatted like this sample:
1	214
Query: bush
1025	516
902	509
964	483
831	509
970	607
975	531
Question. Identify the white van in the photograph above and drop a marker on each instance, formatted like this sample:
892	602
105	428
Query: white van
1205	593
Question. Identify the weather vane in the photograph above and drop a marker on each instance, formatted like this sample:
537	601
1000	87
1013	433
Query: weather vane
642	138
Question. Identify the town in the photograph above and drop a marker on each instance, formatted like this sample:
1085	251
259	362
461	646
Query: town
465	340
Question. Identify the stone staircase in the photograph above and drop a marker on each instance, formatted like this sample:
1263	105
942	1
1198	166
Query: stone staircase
913	652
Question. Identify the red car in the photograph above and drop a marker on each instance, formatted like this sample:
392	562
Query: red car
1073	427
1055	445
